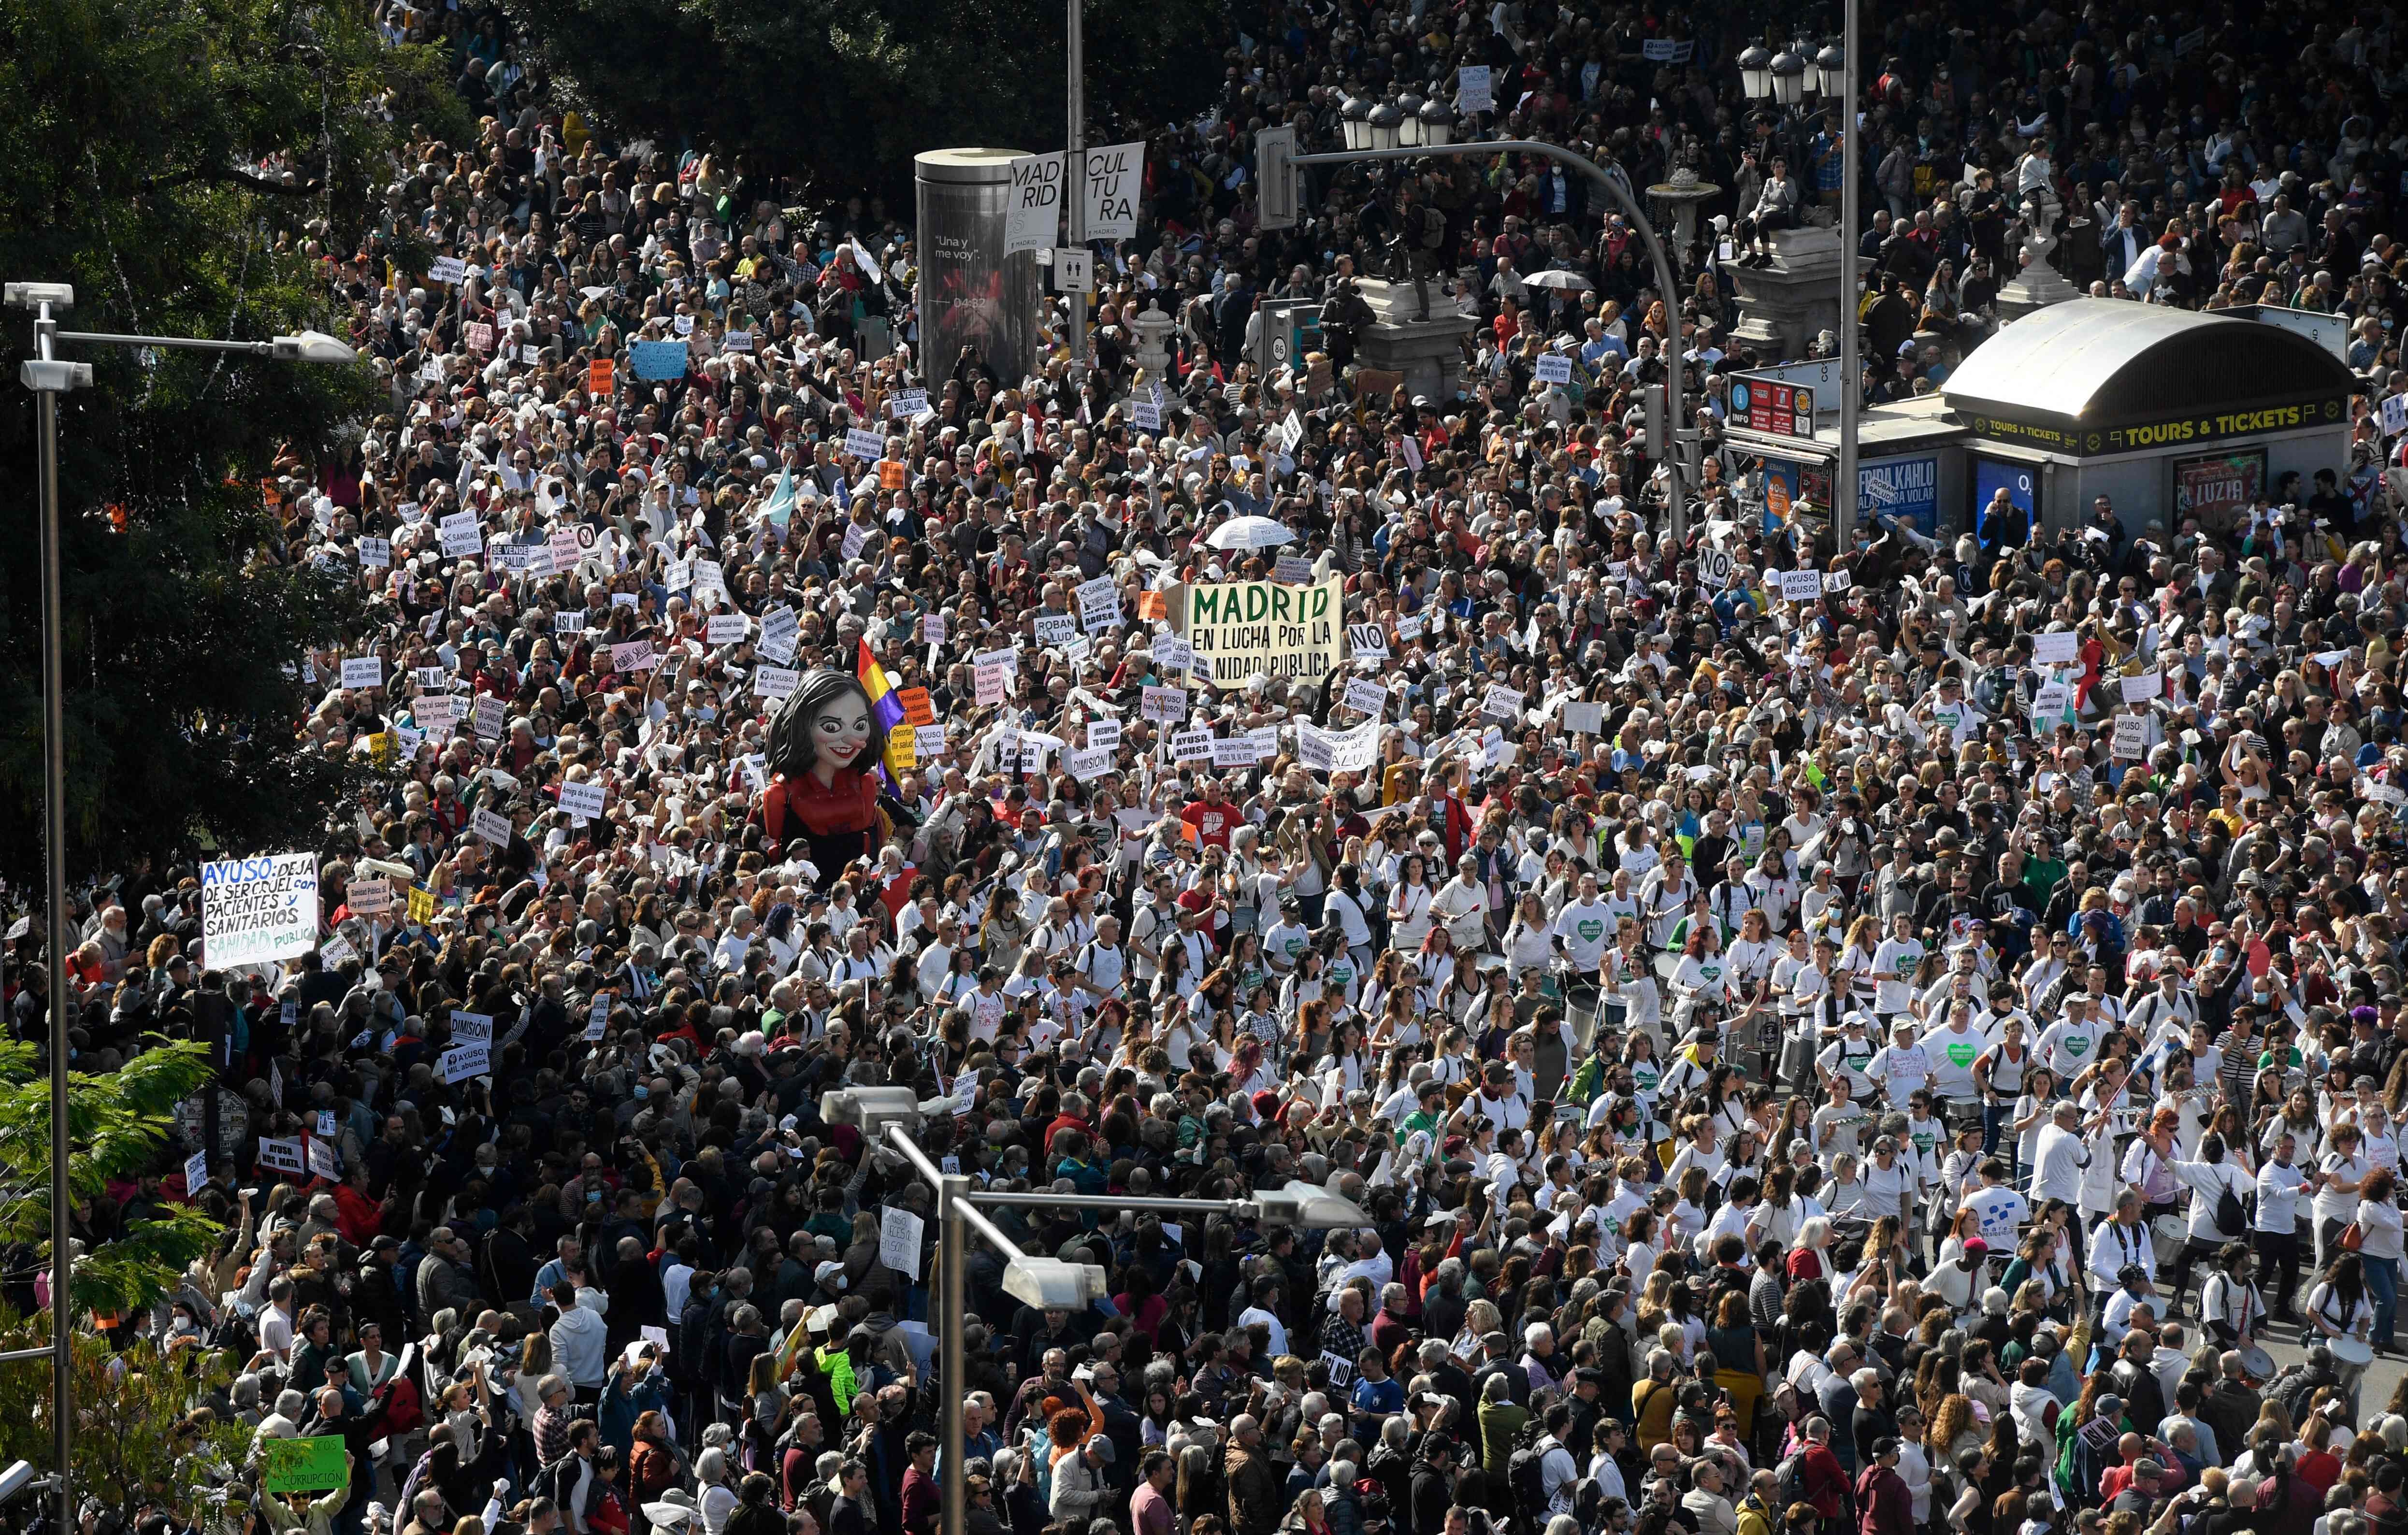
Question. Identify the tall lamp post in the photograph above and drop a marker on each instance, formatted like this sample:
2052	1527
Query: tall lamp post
48	376
890	1115
1786	80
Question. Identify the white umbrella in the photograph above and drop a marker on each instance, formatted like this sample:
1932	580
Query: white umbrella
1249	533
1555	277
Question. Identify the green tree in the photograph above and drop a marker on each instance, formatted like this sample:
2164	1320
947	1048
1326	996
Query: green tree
117	1124
139	1444
182	166
845	92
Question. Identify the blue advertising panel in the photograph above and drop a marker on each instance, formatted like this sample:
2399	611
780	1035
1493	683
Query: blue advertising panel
2021	481
1905	488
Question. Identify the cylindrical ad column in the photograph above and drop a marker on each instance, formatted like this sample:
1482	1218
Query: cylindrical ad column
971	294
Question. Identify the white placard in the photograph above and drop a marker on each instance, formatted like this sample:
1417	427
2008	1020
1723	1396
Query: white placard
869	447
438	713
2131	736
462	538
1033	213
1553	367
1190	746
2058	647
1055	628
779	626
1099	604
1472	89
567	623
1233	752
927	743
1837	580
1501	702
1583	719
1367	696
255	910
990	683
584	798
1085	765
1173	654
489	716
898	1239
376	553
1366	642
449	269
597	1019
491	826
1104	733
2149	684
196	1171
460	1062
1801	585
325	1161
472	1027
932	628
1166	704
2050	702
908	405
634	656
776	681
369	898
362	671
1114	181
726	629
284	1156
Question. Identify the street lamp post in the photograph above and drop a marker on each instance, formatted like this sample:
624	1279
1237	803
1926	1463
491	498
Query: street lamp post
889	1114
48	376
1369	136
1786	81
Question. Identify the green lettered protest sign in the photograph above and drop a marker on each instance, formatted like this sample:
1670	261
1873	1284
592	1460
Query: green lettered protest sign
1243	628
305	1465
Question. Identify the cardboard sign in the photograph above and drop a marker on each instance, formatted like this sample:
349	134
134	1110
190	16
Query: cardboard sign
990	684
1087	763
324	1161
917	707
257	910
362	671
1172	654
376	553
489	717
908	405
462	538
472	1027
369	898
284	1156
776	681
491	826
1366	642
460	1062
1583	719
2132	741
601	378
928	743
1501	702
869	447
1192	746
597	1019
1472	88
898	1239
726	629
1166	704
583	800
1099	604
1553	367
306	1465
2058	647
1054	628
1366	696
634	656
1801	585
2149	684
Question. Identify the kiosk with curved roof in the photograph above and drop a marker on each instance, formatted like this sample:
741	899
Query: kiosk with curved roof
2096	376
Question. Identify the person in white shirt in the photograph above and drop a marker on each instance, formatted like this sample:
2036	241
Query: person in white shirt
1901	1066
1462	905
1894	966
2063	1156
1999	1208
2274	1231
2120	1240
1583	930
1103	964
2133	1292
1953	1050
2211	1178
1889	1183
2072	1041
2340	1172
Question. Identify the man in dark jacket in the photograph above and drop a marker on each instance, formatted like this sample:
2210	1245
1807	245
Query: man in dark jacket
1888	1507
1255	1504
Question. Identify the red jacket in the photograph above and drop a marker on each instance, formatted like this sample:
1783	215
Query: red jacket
1885	1506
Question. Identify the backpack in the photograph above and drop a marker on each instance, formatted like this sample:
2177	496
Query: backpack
1789	1480
1371	1503
2230	1219
1525	1475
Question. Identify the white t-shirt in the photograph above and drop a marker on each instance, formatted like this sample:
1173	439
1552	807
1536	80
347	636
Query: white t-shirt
2278	1197
1585	929
2001	1212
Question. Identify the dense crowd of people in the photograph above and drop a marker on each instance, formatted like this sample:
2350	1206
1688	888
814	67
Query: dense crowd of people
1803	1064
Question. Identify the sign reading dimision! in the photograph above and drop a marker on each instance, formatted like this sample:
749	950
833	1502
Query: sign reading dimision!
1243	628
2129	437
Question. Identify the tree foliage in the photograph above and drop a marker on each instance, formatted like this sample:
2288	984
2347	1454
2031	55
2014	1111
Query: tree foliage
177	163
845	92
116	1126
138	1443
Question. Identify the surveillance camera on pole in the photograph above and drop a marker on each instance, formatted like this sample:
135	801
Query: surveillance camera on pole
1309	1206
871	1109
17	1481
1055	1284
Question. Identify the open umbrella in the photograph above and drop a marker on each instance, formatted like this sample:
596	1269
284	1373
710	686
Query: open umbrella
1249	533
1556	276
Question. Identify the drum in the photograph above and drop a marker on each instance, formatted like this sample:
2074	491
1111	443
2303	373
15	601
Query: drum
2258	1365
2351	1350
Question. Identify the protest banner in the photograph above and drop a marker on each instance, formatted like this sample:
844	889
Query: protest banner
918	707
2058	647
927	743
1240	628
1054	628
1801	585
1172	654
633	656
324	1161
658	361
1087	763
1366	696
990	683
462	538
1502	703
601	378
2131	742
776	681
1033	215
1472	89
1190	746
256	911
726	629
1104	733
376	553
487	716
1115	179
869	447
2149	684
1337	751
1553	367
1366	642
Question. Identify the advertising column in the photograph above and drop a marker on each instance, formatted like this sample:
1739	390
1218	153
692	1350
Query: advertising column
971	294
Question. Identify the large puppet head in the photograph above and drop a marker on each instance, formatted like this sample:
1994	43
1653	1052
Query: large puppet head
829	715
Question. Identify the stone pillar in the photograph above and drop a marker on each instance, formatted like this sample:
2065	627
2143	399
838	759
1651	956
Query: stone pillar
1428	353
1783	304
969	293
1152	328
